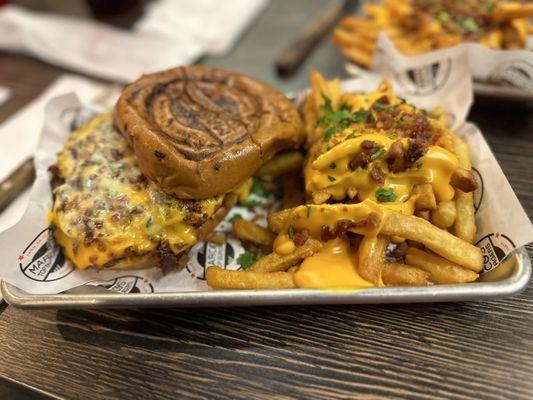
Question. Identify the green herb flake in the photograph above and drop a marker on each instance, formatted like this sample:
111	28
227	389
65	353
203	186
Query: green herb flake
377	154
470	25
308	207
236	217
326	107
386	195
329	132
351	136
257	187
291	231
328	148
250	203
443	16
149	222
380	106
490	6
332	165
247	258
399	123
331	178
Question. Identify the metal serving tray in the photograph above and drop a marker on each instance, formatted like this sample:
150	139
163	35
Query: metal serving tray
510	278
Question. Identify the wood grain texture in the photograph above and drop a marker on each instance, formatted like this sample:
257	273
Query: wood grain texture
481	350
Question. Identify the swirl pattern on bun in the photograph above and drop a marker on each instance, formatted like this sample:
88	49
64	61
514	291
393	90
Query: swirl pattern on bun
200	132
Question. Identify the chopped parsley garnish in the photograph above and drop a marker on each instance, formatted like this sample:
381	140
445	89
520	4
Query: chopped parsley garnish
381	106
443	16
250	203
386	195
291	231
149	222
334	121
308	211
399	123
236	217
377	154
329	132
328	148
351	136
257	187
470	25
332	165
247	258
331	178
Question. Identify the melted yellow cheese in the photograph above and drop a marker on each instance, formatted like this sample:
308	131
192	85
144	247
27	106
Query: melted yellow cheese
313	217
435	167
106	211
333	267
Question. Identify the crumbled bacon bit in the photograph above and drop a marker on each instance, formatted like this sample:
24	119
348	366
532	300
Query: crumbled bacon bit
327	233
301	237
395	157
377	174
399	251
343	226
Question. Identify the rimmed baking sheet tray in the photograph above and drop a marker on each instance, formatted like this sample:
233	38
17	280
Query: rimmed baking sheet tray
508	279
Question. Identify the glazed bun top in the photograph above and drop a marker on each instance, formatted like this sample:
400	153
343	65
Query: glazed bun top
200	132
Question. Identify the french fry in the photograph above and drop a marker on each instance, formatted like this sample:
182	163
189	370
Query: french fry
358	56
513	10
371	255
394	274
293	195
441	270
219	278
277	220
444	215
281	164
440	241
357	37
464	179
349	39
253	233
465	224
426	197
274	262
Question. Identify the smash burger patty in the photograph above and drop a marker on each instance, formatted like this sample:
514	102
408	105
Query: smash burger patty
200	132
106	214
188	141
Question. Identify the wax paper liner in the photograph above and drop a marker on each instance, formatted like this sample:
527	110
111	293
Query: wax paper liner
32	261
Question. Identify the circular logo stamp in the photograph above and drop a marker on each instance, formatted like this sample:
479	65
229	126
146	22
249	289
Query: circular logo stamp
517	73
205	254
480	191
42	260
126	284
425	79
494	247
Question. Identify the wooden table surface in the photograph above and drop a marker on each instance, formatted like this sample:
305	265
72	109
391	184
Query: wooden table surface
481	350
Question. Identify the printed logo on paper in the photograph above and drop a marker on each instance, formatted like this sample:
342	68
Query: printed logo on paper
480	191
516	73
425	80
206	254
43	259
126	284
494	247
